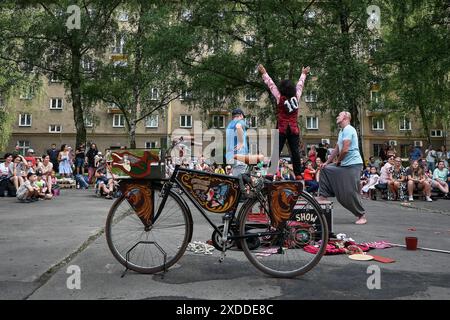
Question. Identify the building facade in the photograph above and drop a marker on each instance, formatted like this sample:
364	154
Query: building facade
46	116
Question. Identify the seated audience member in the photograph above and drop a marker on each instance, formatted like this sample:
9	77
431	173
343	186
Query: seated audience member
54	183
28	191
219	170
317	167
7	177
386	176
105	182
440	178
368	189
20	170
398	184
417	180
46	168
309	176
364	177
285	171
30	157
228	170
41	184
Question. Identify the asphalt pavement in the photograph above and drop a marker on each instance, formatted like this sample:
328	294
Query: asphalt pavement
42	242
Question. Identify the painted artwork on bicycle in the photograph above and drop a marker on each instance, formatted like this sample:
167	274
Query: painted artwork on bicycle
136	163
282	198
213	193
140	197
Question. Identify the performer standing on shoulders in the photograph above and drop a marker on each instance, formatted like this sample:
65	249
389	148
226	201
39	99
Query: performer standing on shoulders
287	97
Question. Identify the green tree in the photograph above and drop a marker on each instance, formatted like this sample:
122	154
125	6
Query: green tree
414	60
140	80
39	39
222	44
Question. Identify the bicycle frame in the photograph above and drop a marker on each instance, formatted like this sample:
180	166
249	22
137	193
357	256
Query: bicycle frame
214	192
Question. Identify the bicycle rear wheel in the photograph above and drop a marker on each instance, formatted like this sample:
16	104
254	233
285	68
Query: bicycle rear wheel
165	241
281	253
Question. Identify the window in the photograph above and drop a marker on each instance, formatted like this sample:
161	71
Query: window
118	44
312	123
88	121
55	128
118	121
56	103
254	148
311	96
25	120
251	96
218	121
374	97
151	121
377	124
376	149
87	64
186	121
436	133
123	16
54	78
23	146
185	95
252	122
151	144
249	41
27	93
154	94
405	124
404	150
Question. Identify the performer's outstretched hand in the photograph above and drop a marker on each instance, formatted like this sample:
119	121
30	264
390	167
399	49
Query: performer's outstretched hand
261	69
305	70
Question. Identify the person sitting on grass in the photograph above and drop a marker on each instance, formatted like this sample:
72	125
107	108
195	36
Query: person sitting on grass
439	178
28	191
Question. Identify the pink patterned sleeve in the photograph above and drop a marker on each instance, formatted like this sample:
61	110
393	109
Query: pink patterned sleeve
299	87
272	87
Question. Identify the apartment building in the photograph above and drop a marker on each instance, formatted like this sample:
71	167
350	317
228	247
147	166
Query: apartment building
45	116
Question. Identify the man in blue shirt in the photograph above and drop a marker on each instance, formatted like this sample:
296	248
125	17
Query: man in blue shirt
236	141
341	179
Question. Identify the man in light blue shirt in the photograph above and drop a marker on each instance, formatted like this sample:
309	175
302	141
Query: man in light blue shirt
341	179
236	141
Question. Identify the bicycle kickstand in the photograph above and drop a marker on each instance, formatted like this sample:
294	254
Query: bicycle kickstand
226	225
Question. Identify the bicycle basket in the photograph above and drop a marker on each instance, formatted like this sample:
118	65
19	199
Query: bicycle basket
283	196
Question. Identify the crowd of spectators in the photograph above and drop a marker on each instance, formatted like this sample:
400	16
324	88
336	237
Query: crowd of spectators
421	174
33	177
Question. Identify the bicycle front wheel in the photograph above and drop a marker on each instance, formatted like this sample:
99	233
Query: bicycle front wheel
153	249
287	251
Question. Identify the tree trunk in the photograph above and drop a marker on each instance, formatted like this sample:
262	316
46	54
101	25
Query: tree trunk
133	134
75	92
346	50
134	112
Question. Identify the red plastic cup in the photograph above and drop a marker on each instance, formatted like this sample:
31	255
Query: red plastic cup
411	243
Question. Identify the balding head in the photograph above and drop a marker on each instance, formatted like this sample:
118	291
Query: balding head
343	119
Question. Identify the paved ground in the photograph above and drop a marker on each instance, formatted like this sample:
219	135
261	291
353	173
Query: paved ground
39	241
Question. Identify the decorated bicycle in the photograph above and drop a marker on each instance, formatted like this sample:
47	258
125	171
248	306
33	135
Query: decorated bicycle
150	226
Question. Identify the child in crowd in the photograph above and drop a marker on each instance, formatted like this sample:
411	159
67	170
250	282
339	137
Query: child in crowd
309	176
55	185
28	191
42	187
372	181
